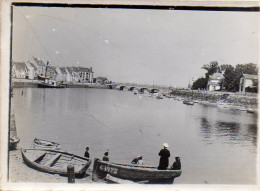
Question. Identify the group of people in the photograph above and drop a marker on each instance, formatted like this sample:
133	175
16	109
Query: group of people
105	157
164	159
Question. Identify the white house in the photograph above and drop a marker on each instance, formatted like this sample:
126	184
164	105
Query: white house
19	70
215	82
248	83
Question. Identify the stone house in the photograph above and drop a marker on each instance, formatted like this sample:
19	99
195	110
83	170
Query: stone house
215	82
19	70
248	83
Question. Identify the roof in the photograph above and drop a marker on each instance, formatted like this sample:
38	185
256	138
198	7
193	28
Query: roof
82	69
32	65
217	76
250	76
63	70
69	70
39	61
20	65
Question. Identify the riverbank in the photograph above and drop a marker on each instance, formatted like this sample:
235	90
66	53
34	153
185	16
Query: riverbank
20	172
218	98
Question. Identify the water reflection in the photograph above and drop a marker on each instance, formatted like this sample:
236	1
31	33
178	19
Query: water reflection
252	134
206	131
228	132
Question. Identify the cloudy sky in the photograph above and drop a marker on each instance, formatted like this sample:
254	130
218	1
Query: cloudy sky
165	47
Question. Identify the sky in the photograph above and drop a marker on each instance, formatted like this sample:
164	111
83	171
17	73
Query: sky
160	47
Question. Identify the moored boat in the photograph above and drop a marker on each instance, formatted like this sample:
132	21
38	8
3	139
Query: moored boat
133	172
188	102
50	84
55	162
44	144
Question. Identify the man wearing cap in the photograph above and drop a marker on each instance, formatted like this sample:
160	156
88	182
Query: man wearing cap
164	160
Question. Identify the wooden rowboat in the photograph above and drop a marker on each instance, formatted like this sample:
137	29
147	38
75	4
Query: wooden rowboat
188	102
55	161
133	172
44	144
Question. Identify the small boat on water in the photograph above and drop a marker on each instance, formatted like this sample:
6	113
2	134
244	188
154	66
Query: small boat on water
44	144
133	172
159	96
252	110
55	162
188	102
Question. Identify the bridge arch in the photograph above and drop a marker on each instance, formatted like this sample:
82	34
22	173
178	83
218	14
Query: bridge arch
132	88
141	90
122	87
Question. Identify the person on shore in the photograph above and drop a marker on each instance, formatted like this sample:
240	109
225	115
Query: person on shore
164	160
135	160
86	152
140	161
105	157
177	164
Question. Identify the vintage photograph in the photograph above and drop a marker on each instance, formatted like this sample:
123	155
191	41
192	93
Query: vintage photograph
133	94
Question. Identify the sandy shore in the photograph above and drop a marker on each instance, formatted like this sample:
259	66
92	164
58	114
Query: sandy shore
20	172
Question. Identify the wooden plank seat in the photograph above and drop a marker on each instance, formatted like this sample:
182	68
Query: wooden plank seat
39	157
53	160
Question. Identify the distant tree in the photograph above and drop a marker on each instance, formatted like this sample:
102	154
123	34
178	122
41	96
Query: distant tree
200	83
211	68
232	75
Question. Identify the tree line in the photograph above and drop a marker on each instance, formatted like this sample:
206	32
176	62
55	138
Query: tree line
231	75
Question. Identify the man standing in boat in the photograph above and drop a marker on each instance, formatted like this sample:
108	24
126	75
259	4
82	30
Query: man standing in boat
164	160
86	152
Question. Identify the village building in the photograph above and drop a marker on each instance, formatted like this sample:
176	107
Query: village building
248	83
61	74
73	75
32	71
51	72
85	74
215	82
101	80
39	64
19	70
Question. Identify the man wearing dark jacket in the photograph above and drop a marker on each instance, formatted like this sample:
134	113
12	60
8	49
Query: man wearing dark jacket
164	160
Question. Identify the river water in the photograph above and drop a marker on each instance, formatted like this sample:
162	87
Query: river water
216	146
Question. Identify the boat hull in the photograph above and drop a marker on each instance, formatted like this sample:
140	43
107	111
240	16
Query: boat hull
44	144
13	143
46	85
188	102
134	172
57	163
